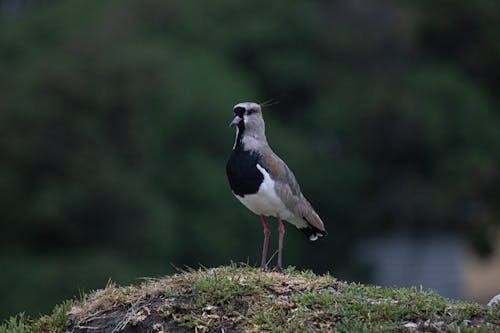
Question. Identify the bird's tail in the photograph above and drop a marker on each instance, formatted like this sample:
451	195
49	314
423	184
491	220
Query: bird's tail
312	232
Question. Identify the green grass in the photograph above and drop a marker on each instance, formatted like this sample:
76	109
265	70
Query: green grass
243	298
53	323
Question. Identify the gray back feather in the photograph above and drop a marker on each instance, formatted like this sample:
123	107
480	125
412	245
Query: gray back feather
288	189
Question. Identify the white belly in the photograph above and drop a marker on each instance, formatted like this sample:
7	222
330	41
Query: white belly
266	201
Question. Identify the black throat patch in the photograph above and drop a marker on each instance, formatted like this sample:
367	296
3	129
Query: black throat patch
241	169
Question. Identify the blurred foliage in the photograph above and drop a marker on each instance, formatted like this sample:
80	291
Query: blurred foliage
113	131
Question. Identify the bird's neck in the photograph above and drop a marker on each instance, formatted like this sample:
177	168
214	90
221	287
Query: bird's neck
249	140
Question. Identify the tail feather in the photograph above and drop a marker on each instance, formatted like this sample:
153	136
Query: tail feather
312	232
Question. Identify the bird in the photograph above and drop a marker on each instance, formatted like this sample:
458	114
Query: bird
263	182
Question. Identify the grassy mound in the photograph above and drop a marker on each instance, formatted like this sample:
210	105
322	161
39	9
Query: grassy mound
242	298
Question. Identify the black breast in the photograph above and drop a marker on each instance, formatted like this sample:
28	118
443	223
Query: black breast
242	173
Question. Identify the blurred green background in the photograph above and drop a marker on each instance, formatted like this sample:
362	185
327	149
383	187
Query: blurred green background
114	138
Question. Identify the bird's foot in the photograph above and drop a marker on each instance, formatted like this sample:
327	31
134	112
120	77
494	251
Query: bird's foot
264	268
278	269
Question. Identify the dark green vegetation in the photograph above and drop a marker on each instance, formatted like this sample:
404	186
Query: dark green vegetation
53	323
113	132
235	299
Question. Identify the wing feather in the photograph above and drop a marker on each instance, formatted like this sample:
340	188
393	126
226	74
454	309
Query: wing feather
288	189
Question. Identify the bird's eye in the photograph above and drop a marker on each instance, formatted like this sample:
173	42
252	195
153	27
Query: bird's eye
239	111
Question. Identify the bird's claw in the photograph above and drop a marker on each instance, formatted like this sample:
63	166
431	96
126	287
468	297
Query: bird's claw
278	269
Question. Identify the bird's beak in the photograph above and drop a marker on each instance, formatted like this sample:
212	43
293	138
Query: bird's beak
235	121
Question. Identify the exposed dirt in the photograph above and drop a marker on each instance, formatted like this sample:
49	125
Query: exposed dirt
149	316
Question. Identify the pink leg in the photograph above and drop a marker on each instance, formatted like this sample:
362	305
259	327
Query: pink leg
281	231
267	233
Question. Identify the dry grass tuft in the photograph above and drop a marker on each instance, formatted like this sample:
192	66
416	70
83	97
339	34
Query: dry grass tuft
204	299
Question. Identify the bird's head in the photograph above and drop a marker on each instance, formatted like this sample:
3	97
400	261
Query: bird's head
248	117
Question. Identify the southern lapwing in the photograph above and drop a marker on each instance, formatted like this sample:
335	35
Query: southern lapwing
262	182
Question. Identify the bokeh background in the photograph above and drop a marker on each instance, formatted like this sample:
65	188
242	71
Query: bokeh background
114	139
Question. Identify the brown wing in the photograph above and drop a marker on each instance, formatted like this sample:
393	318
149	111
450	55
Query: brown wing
288	189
